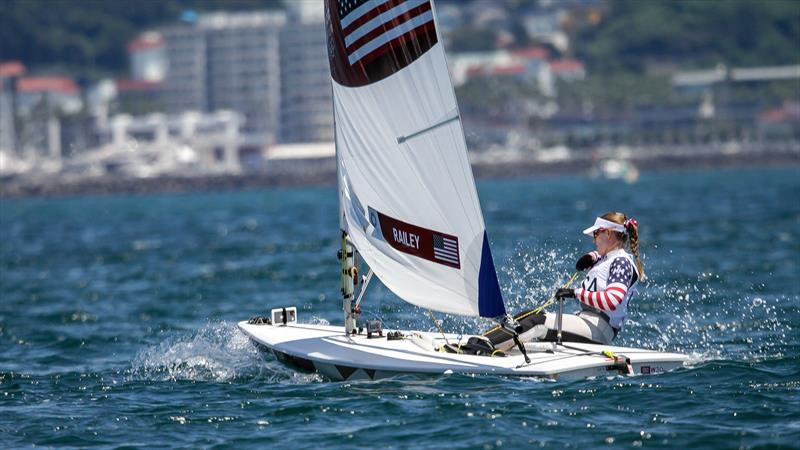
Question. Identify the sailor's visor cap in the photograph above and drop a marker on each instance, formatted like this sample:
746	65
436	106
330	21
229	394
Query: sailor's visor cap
603	224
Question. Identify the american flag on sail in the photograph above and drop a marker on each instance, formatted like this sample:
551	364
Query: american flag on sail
370	39
372	27
445	249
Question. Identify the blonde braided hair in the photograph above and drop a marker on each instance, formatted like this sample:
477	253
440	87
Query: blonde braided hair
633	233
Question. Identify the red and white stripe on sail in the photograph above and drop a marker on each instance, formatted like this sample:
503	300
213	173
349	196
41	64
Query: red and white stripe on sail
376	26
607	300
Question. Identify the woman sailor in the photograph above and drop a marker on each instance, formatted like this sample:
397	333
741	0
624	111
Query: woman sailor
609	285
604	293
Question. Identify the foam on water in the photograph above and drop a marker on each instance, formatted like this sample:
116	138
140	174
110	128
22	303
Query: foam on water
711	325
217	352
534	274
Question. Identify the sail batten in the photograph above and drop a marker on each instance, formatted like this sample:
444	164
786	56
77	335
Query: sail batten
451	116
407	193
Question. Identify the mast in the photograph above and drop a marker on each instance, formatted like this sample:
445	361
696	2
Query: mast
349	274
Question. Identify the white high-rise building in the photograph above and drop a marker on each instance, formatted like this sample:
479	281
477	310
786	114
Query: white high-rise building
227	61
244	69
272	67
306	99
185	82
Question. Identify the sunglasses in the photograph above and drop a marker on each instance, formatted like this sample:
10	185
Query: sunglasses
597	231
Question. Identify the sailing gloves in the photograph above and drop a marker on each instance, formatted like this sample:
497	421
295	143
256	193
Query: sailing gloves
510	323
586	261
565	293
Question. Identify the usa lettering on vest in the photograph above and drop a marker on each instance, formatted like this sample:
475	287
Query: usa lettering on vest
405	238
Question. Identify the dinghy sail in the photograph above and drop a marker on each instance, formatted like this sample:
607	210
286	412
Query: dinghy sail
407	195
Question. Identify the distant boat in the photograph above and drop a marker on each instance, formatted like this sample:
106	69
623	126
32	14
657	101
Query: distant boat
616	169
11	165
410	211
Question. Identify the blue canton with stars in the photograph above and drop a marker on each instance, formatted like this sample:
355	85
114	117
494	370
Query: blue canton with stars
621	272
347	6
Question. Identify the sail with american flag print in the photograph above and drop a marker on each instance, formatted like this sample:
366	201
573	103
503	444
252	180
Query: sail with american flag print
369	40
408	201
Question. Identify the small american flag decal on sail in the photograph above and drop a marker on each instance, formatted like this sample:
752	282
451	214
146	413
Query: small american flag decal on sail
445	249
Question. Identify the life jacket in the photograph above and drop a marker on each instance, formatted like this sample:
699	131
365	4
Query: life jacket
597	280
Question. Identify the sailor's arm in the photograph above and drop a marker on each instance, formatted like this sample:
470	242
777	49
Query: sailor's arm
619	280
606	300
587	261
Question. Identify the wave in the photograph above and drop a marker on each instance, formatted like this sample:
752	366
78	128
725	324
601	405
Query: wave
217	352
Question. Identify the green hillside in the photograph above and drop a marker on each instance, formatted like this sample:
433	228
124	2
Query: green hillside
691	33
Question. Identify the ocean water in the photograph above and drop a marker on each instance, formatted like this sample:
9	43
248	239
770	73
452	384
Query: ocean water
117	321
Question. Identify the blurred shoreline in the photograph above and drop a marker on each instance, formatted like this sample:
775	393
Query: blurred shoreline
322	172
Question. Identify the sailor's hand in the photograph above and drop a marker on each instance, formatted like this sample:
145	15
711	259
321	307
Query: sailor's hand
565	293
586	261
510	323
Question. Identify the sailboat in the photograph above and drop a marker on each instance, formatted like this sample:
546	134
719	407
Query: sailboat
409	209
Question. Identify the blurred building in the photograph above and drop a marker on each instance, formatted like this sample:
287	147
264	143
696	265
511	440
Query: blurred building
41	104
531	65
148	57
244	69
226	61
138	96
185	82
450	17
271	67
306	98
568	69
545	27
10	72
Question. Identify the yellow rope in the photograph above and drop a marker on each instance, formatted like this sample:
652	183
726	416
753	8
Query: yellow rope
436	322
540	308
553	298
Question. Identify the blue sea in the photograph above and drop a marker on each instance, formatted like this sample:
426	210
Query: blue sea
118	321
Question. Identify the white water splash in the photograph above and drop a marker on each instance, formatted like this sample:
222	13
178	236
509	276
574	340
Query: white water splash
534	275
317	320
707	320
217	352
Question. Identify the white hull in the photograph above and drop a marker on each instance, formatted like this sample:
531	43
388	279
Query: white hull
329	351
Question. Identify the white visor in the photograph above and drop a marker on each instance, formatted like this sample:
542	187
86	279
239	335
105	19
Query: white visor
605	225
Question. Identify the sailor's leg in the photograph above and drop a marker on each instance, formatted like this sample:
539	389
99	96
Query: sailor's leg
532	328
587	328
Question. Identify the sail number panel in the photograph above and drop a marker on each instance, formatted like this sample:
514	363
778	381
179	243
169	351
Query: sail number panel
434	246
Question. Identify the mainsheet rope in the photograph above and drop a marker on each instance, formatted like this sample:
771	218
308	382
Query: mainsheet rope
540	308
